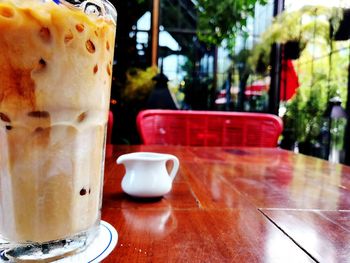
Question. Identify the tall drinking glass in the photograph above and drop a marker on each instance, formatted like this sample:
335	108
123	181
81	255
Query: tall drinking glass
55	77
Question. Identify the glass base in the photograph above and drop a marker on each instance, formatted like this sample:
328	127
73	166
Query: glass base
48	251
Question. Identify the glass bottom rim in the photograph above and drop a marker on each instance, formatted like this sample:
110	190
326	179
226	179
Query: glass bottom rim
47	251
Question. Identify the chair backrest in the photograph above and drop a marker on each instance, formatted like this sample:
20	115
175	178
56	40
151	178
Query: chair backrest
208	128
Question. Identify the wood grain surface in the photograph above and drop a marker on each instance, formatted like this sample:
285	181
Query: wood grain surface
233	205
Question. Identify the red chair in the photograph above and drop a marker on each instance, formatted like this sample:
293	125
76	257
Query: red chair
208	128
109	127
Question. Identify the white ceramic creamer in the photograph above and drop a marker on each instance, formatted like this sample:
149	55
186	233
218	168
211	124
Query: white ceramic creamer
146	173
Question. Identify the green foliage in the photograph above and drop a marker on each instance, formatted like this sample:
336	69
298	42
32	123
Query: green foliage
303	25
322	76
220	20
139	84
304	113
320	81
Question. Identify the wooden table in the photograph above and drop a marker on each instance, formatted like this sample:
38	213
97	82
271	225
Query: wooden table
233	205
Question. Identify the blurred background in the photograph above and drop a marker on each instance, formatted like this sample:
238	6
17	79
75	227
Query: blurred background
285	57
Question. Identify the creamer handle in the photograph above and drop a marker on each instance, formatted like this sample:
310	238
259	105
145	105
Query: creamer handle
175	166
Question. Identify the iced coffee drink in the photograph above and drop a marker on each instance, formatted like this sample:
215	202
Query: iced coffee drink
55	78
